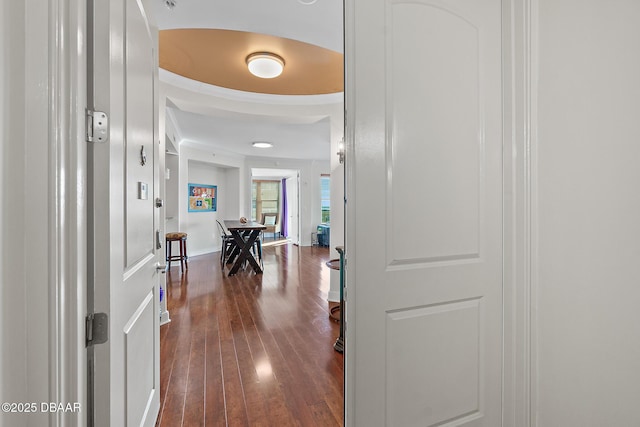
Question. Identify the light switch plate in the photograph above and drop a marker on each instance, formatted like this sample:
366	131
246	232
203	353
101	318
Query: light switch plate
143	190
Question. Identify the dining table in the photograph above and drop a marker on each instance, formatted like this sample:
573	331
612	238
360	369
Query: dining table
245	235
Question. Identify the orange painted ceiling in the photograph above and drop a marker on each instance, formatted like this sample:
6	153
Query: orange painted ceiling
218	57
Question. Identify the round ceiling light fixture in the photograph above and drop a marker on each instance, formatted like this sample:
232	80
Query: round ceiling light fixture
262	144
265	65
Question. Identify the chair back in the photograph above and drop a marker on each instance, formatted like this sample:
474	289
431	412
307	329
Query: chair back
270	220
221	230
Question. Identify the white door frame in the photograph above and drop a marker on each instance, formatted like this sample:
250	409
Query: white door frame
43	106
64	37
519	34
69	65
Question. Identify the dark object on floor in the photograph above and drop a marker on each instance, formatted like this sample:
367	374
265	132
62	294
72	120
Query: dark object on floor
323	234
339	345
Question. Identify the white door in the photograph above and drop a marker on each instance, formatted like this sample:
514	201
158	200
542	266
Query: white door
126	224
424	213
294	203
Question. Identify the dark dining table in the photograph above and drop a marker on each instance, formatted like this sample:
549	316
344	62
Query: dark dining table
244	236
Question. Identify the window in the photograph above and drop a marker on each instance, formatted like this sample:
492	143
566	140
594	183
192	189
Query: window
325	198
265	198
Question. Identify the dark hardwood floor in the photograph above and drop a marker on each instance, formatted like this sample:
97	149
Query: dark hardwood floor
251	350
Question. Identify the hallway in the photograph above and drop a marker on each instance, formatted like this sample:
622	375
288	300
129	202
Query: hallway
251	349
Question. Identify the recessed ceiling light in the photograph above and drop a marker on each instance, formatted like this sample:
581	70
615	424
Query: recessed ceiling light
265	65
307	2
262	144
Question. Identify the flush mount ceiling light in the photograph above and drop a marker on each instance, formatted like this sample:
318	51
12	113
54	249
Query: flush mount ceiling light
265	65
262	144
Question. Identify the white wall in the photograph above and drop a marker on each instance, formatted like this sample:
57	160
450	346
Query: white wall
25	214
586	214
12	245
203	233
232	203
172	192
202	166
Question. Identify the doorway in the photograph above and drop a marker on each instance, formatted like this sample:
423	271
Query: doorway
276	191
309	133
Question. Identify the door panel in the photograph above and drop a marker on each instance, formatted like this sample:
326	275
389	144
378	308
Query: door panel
424	292
445	337
434	124
139	350
139	135
125	184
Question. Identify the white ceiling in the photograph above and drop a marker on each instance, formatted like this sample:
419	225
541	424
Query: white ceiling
293	135
319	23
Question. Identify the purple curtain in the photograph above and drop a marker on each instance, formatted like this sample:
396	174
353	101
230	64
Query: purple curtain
285	210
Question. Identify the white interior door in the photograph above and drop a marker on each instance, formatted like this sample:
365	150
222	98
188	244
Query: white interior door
126	225
424	212
294	203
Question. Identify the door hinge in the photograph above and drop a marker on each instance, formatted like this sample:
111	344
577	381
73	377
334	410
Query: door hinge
97	126
97	331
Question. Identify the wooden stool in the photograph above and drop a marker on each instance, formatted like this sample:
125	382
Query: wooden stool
182	239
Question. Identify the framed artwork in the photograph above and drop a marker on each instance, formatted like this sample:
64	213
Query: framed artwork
203	197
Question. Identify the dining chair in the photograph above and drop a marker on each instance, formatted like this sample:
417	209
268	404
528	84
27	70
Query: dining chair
270	220
227	243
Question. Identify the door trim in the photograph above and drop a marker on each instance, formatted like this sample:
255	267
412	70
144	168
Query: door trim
349	292
519	35
67	225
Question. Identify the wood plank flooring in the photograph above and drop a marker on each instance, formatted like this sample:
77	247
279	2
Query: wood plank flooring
251	350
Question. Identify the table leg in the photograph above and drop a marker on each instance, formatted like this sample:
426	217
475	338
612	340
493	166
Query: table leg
235	251
243	247
253	237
